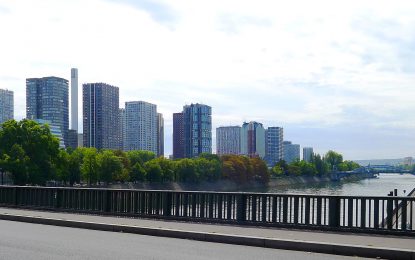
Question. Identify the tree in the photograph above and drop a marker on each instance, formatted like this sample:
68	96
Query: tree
167	168
154	172
74	166
333	159
260	170
321	166
109	167
140	156
33	147
138	173
89	167
277	171
186	170
62	167
16	163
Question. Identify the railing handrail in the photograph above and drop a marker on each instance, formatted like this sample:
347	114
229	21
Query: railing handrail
220	192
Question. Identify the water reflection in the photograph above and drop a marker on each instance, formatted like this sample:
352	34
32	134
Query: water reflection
369	187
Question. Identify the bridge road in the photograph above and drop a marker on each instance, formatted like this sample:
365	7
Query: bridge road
371	240
35	241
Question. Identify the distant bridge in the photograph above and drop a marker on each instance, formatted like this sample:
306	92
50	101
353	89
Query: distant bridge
385	169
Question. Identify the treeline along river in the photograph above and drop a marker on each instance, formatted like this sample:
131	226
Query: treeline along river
380	186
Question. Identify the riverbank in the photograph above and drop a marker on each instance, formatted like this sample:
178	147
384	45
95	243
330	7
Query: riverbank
229	186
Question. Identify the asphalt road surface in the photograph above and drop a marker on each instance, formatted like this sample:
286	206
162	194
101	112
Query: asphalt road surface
33	241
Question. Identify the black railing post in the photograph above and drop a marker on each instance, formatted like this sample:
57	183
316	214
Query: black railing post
389	213
107	201
15	200
404	205
334	212
58	198
241	208
167	204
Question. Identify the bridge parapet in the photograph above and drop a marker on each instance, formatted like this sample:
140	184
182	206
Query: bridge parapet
346	213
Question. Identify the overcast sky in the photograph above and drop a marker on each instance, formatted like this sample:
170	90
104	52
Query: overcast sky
335	74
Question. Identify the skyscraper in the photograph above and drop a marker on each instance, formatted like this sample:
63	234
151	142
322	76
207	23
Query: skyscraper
122	129
74	99
160	135
178	135
274	145
253	139
141	126
197	129
48	99
100	116
291	152
6	105
228	140
192	131
307	154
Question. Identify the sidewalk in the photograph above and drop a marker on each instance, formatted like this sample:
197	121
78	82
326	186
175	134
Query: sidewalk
301	238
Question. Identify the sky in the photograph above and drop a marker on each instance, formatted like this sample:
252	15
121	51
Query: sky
335	75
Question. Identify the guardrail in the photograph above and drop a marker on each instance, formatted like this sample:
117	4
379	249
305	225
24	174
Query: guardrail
347	213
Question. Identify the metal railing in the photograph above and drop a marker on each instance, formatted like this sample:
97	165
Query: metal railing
394	215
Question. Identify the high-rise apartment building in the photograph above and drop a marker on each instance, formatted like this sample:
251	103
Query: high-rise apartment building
197	129
307	154
291	152
141	126
122	128
100	116
160	135
192	131
178	135
48	99
274	145
228	140
6	105
253	139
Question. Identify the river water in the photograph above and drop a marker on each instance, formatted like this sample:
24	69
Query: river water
380	186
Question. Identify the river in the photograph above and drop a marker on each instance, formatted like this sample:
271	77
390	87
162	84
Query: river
380	186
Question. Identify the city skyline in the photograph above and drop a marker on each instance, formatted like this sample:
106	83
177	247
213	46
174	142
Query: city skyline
333	80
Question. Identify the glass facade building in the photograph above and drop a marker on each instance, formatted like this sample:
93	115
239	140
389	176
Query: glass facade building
6	105
100	116
197	129
291	152
48	99
307	154
192	131
274	146
178	135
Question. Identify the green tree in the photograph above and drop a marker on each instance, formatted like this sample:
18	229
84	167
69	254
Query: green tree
321	166
186	170
62	167
109	166
89	167
35	148
140	156
138	173
333	159
74	166
277	171
154	172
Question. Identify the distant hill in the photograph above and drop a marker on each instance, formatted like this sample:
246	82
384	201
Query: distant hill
380	162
